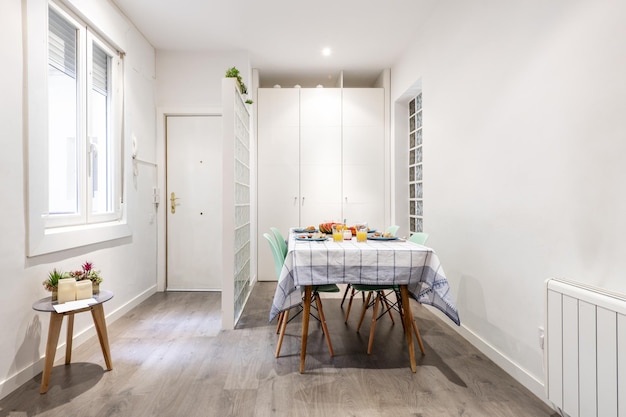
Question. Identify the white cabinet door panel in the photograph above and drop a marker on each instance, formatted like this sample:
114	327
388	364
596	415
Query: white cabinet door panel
320	107
363	199
278	107
363	146
278	145
321	145
320	155
321	193
278	203
363	106
363	155
278	169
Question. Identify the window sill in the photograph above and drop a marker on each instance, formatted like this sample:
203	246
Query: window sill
63	238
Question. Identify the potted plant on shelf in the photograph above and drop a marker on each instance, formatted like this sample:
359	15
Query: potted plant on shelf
88	272
52	282
233	72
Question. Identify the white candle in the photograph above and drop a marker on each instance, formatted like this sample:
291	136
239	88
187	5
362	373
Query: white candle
67	290
83	289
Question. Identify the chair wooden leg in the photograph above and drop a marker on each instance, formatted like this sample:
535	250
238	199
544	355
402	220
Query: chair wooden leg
373	326
320	311
349	305
418	336
406	307
363	310
305	325
345	293
282	321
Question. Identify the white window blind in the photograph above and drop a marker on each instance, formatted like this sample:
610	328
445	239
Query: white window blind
100	70
61	44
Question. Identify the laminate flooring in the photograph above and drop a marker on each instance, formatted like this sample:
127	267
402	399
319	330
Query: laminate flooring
171	359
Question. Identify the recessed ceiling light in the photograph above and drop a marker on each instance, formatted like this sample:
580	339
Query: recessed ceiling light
326	52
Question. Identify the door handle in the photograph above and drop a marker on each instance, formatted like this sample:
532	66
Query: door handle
173	204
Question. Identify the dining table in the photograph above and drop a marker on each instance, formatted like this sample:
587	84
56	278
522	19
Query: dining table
414	268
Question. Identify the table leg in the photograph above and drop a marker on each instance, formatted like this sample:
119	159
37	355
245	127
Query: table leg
101	328
54	330
305	324
407	318
68	341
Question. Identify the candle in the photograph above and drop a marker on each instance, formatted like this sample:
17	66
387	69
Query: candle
67	290
83	289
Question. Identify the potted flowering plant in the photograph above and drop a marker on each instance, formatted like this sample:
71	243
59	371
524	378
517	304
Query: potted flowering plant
52	282
88	272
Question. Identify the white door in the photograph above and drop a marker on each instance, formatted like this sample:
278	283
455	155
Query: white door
194	169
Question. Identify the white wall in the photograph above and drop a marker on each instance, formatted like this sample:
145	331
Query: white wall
194	79
524	159
127	265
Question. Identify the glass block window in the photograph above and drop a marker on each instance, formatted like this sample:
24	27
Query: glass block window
242	206
416	201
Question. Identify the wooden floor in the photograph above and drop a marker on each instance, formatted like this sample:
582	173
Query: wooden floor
171	359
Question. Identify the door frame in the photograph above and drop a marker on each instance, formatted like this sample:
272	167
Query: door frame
161	117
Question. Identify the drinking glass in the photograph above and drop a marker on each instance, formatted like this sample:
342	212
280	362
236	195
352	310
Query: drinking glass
361	232
338	232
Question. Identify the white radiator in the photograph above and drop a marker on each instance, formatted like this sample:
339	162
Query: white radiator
585	350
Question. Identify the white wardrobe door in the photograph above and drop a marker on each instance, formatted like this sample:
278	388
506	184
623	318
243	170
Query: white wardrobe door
363	155
278	169
320	155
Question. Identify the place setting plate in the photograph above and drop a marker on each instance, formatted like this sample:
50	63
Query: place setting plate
301	230
305	238
382	238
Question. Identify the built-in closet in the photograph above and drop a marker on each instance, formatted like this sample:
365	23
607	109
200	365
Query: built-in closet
320	158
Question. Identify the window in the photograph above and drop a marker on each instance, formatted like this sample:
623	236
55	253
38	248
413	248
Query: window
416	202
75	93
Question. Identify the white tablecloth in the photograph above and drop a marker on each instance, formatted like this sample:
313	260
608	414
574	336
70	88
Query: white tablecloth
373	263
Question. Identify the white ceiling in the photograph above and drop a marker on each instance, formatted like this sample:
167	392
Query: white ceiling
285	37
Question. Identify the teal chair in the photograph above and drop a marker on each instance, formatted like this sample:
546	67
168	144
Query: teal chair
283	317
419	238
392	230
382	293
280	240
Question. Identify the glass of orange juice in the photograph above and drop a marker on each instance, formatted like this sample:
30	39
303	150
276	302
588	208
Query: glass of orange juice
361	232
338	232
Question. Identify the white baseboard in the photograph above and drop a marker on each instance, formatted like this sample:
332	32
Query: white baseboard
20	378
520	374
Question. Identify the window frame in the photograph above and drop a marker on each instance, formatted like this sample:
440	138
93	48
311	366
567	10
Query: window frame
46	234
